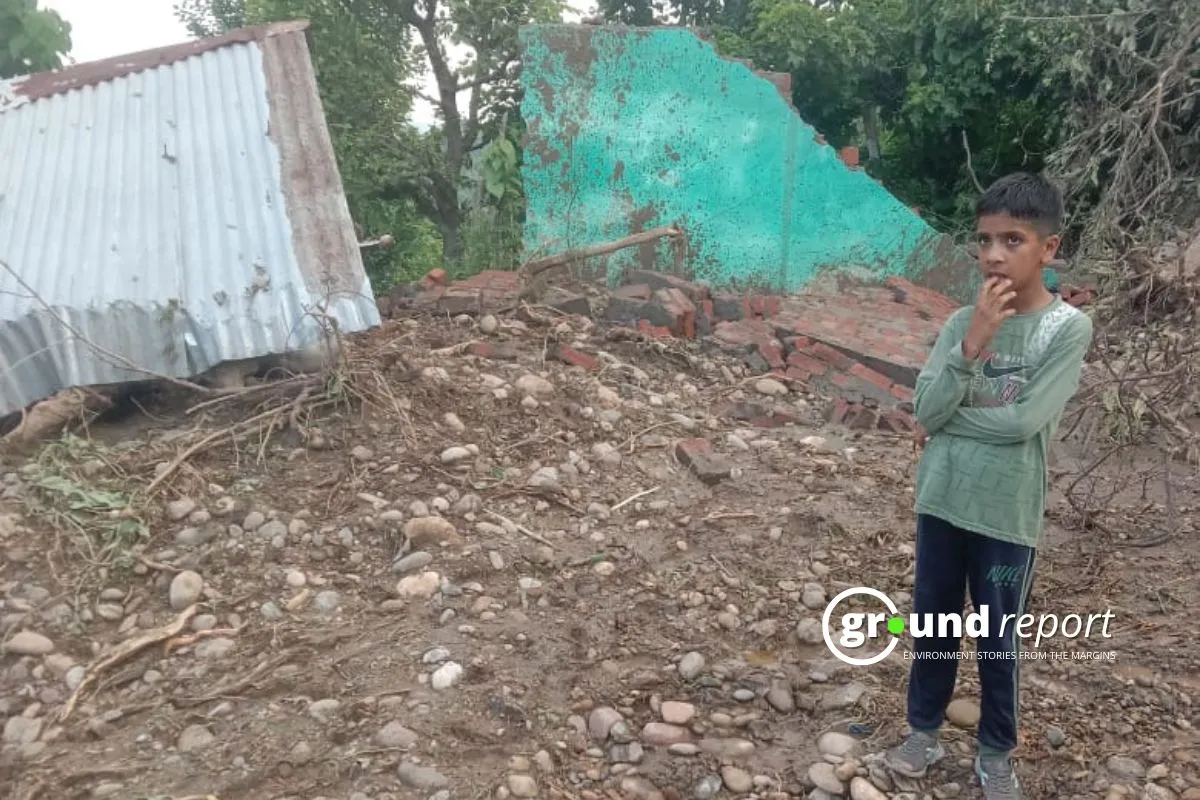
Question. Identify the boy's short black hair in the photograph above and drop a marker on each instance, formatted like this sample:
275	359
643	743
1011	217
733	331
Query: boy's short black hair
1027	197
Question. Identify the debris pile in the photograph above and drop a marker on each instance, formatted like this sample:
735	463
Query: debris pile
863	346
519	554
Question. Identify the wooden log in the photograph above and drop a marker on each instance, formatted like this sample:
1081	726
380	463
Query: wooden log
538	266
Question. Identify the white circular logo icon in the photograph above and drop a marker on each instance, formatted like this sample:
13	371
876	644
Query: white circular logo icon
863	619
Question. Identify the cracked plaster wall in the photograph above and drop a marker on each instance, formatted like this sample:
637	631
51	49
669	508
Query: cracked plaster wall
635	128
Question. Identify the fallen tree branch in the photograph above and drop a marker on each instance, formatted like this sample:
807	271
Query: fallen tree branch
123	652
633	497
237	686
454	349
143	560
521	529
192	638
537	267
225	433
61	410
226	395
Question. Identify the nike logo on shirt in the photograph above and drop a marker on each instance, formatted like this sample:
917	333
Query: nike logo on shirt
990	371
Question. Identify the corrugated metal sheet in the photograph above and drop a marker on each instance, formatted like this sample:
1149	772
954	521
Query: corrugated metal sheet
174	218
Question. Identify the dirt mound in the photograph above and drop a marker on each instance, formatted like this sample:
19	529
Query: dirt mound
520	555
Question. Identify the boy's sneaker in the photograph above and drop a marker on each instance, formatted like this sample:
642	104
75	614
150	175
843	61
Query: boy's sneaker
912	757
997	779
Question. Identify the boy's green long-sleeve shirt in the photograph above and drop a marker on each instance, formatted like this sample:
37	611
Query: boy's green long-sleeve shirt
990	421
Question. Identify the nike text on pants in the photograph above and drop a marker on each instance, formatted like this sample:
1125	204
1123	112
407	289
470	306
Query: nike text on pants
999	576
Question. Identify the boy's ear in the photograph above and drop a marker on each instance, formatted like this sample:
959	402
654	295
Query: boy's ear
1050	247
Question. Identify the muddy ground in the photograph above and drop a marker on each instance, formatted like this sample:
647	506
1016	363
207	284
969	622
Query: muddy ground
499	579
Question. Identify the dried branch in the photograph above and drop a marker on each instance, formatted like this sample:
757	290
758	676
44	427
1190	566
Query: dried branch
1131	167
535	268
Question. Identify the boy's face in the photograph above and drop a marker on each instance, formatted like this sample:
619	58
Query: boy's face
1011	248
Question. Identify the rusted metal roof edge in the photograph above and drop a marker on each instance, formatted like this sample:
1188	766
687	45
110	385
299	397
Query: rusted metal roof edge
40	85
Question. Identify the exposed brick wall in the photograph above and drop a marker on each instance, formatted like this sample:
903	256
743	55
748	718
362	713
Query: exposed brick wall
864	346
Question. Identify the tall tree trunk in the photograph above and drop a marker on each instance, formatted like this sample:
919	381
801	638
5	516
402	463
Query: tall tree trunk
871	128
450	225
456	132
459	131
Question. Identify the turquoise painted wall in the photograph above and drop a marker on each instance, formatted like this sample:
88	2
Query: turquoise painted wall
635	128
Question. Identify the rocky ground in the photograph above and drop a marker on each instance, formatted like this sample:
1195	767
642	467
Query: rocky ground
508	576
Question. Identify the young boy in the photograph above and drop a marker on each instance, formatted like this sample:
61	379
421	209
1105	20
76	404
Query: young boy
988	401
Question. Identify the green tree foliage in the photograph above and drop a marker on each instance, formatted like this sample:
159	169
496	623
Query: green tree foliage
488	29
493	234
947	95
1128	74
205	18
970	102
31	39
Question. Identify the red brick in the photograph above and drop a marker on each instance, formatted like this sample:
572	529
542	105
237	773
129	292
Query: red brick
799	375
839	410
686	449
654	331
636	291
852	415
762	305
431	295
920	297
831	356
697	455
756	334
807	364
901	393
903	284
681	311
569	355
456	302
435	277
465	296
494	283
745	332
495	352
898	422
797	342
734	333
663	280
868	374
772	351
